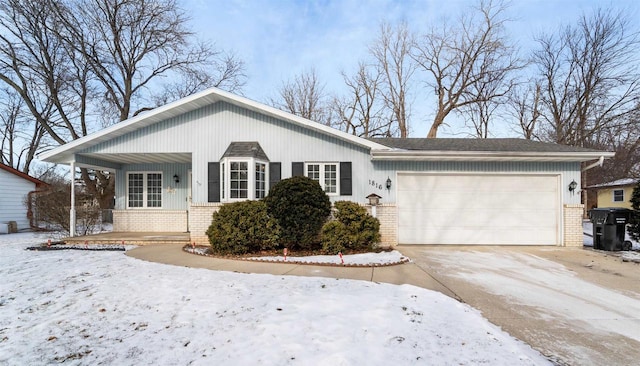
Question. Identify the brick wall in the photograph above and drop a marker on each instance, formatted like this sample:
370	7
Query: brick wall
200	219
150	220
573	225
387	214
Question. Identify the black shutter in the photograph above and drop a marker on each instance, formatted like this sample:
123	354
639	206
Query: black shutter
274	174
345	179
213	182
297	169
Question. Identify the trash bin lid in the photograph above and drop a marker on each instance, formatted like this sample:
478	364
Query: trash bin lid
610	215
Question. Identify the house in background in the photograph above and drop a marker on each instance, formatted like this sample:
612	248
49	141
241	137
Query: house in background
177	164
615	194
15	187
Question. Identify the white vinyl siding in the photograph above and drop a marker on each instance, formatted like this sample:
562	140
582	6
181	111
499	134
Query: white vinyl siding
326	174
144	190
13	193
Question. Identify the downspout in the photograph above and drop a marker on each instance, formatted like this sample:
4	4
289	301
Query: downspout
597	163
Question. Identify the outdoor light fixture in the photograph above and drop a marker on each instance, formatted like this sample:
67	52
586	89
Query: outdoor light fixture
388	183
572	186
176	179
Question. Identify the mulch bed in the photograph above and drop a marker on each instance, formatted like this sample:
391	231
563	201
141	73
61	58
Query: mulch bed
291	259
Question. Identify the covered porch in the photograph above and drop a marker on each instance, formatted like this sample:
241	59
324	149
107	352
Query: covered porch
131	238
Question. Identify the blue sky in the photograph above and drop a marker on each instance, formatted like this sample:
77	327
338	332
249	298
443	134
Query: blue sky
279	39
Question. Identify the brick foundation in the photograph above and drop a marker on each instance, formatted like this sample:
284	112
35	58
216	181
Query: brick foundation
150	220
387	214
200	220
572	221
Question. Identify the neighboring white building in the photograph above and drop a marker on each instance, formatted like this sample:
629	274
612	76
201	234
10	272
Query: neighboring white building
15	186
178	163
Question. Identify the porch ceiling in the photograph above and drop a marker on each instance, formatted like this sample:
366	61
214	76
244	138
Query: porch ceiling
142	158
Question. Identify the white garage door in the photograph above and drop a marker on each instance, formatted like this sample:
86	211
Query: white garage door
478	209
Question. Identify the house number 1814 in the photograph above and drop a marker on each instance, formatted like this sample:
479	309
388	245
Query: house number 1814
375	184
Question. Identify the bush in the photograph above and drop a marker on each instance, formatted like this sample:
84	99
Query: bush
353	230
301	208
242	227
634	227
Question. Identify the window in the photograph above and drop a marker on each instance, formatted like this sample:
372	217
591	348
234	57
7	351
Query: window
618	195
239	179
144	190
243	179
326	174
261	180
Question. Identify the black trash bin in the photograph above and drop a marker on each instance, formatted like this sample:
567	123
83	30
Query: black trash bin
609	227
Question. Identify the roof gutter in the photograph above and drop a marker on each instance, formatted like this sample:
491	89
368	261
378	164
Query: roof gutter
597	163
421	155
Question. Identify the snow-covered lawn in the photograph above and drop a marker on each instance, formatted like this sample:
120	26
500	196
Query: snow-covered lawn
88	307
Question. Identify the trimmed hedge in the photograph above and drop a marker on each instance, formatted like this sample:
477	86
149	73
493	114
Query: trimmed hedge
301	207
353	230
243	227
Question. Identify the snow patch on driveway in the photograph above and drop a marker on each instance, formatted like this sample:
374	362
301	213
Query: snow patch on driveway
554	291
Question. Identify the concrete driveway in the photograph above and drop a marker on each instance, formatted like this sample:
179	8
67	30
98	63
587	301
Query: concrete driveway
576	306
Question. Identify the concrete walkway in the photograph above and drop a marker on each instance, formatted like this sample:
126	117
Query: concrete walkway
408	273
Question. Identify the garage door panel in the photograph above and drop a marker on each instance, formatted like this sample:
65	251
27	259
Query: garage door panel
478	209
476	218
466	236
478	183
474	200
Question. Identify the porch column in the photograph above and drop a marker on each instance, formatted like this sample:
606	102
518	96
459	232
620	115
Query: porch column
72	210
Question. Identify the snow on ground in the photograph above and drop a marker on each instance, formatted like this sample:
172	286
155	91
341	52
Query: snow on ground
89	307
546	287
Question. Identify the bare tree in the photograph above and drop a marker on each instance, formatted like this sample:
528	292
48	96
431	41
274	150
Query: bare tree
524	106
362	112
304	96
462	61
392	53
65	58
229	75
590	77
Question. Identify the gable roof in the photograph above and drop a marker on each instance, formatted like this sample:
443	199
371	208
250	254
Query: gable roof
22	175
64	153
481	149
617	183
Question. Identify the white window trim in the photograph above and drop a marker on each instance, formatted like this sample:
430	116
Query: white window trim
144	190
613	192
225	178
322	171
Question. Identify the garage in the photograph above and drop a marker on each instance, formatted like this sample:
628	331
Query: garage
482	209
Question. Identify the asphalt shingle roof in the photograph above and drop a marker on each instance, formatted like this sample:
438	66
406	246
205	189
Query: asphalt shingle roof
476	144
245	149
